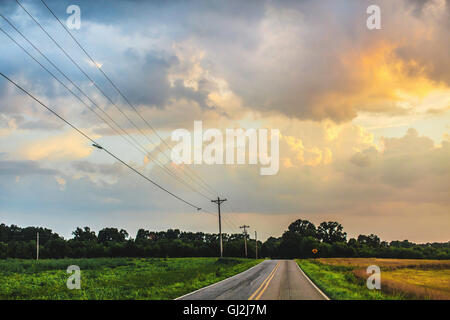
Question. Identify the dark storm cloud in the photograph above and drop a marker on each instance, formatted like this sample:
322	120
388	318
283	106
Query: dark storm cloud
282	56
431	52
148	83
142	76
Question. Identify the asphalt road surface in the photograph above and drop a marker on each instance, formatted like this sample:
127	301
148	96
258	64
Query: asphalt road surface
269	280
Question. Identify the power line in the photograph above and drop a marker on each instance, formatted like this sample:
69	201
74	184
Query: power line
95	144
118	90
231	227
232	218
231	224
93	82
136	144
228	221
208	187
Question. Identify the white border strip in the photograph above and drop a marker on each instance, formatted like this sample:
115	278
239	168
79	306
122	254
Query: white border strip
317	288
212	285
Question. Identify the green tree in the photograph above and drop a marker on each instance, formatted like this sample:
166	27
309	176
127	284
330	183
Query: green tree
270	248
331	232
303	228
84	234
142	235
172	234
371	240
352	243
112	235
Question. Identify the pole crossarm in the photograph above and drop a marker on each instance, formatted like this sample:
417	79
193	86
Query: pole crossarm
245	228
245	237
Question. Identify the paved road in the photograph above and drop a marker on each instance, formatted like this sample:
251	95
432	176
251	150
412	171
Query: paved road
269	280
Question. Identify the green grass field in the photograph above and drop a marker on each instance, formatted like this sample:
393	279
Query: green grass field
115	278
339	282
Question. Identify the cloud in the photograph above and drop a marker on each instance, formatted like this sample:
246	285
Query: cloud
61	182
411	163
365	158
306	67
438	111
41	125
353	180
313	156
20	168
411	143
431	23
7	126
89	167
306	59
68	146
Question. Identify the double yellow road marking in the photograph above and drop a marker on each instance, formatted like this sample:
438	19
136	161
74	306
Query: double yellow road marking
258	293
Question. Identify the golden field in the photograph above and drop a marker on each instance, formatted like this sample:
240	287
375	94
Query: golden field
422	279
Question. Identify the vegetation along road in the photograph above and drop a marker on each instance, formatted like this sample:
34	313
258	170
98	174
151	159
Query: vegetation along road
345	278
115	278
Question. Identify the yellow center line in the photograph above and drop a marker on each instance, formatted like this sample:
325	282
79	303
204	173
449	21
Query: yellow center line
267	283
269	277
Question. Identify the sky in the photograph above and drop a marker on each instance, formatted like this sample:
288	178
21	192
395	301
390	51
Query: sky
363	115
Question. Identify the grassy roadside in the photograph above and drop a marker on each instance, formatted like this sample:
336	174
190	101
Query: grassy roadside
339	282
115	278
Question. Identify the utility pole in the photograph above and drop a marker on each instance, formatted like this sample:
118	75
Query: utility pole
245	237
37	246
256	245
219	202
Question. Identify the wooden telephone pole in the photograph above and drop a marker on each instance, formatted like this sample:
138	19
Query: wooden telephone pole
256	245
219	202
37	246
245	237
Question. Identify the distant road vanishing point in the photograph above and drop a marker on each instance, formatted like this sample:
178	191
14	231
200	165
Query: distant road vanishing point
269	280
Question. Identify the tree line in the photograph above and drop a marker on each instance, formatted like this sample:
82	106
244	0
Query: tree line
302	240
16	242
